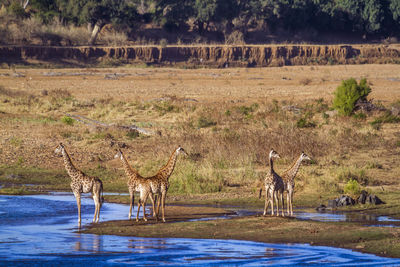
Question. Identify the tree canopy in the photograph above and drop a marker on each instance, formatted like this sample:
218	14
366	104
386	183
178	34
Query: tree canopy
361	17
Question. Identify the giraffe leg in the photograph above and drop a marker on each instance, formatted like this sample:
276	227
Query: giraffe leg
283	204
78	203
144	207
98	212
153	204
138	209
95	207
98	207
266	202
288	202
159	203
272	202
163	205
155	211
131	205
276	202
291	203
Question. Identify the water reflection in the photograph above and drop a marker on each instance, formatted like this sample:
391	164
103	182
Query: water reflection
92	244
368	219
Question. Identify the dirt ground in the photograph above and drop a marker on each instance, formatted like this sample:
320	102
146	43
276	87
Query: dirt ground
206	85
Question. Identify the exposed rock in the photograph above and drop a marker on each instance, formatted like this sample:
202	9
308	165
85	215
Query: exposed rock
341	202
331	113
372	199
346	201
293	109
13	176
363	197
18	74
332	203
367	106
112	76
395	111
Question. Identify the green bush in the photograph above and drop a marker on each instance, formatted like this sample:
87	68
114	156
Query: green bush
352	188
204	122
304	123
67	120
347	94
132	134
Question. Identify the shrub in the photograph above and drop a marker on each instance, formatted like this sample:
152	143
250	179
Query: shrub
304	123
132	134
67	120
358	175
347	94
204	122
386	118
352	188
236	37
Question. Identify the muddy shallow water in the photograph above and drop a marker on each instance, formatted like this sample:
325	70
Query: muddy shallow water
40	230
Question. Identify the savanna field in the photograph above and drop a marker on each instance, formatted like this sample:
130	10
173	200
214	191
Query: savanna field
226	119
225	86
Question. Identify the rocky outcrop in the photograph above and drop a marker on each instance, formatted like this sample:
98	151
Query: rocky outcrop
214	56
344	200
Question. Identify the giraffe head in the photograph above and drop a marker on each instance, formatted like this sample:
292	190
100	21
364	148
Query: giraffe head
59	148
274	154
180	150
119	154
304	156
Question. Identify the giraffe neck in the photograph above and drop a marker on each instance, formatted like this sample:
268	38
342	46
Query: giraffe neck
271	165
166	171
69	166
291	173
128	169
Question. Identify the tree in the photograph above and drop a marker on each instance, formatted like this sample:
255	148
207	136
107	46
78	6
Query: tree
395	9
365	16
205	12
97	13
45	10
173	14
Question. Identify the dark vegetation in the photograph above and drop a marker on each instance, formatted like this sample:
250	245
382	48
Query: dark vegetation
73	22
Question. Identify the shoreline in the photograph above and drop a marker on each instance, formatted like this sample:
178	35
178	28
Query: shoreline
381	241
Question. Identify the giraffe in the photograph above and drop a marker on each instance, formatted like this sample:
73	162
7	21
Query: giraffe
159	182
136	183
274	186
82	183
288	179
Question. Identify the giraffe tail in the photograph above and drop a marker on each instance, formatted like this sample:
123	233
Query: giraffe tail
260	192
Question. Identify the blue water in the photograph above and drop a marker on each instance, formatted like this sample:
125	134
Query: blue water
40	230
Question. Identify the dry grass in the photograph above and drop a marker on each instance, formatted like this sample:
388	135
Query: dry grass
33	31
226	119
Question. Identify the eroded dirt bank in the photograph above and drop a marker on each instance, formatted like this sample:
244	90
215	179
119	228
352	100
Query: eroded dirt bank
213	56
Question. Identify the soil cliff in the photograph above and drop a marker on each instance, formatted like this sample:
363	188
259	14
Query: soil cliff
212	56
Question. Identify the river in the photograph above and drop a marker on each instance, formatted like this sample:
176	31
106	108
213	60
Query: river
41	230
